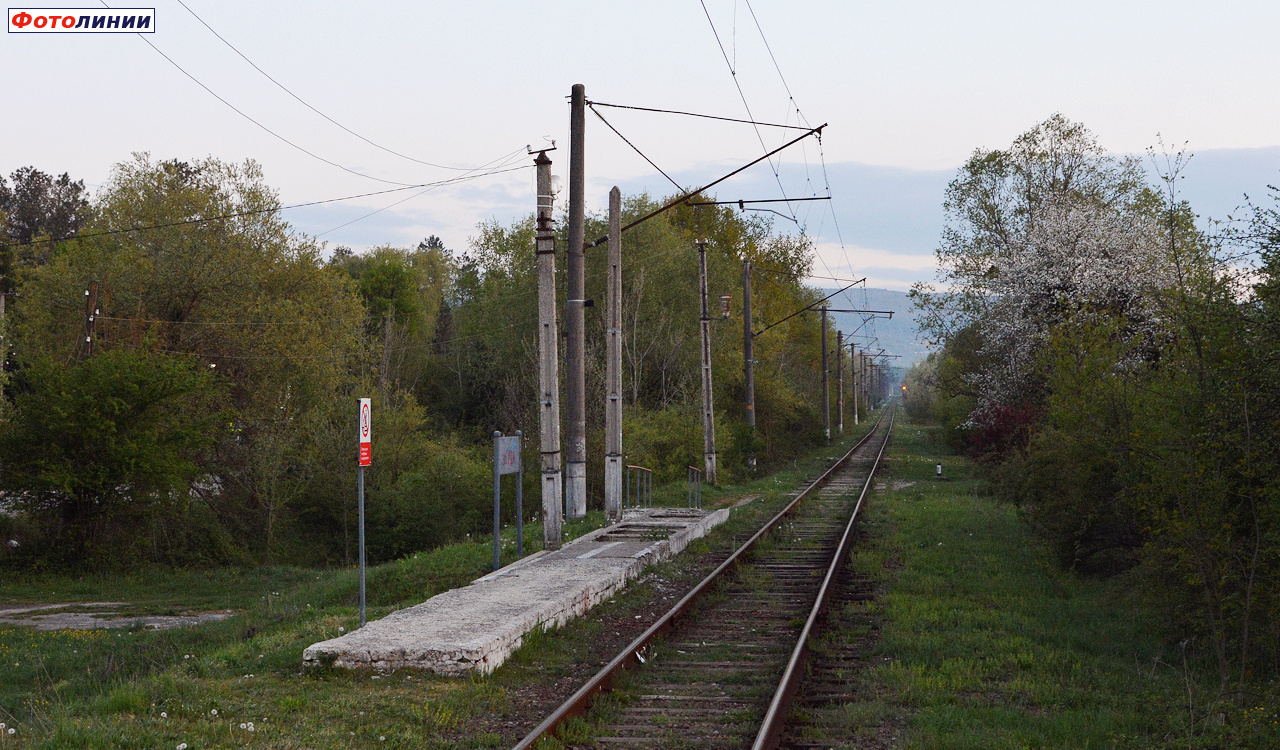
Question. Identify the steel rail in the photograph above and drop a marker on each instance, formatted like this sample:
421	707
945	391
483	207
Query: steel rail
578	703
770	735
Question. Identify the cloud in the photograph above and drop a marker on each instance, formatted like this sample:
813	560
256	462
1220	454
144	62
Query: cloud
885	269
890	218
451	212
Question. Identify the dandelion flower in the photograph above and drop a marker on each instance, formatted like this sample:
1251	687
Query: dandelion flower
164	715
213	712
242	725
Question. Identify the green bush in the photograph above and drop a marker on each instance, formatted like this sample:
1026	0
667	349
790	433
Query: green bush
448	495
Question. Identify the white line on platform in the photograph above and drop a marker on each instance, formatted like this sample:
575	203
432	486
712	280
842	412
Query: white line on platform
511	568
597	550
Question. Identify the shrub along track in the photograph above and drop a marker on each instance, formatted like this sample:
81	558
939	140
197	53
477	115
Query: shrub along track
736	647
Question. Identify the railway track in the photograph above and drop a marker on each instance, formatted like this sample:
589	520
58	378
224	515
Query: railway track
722	668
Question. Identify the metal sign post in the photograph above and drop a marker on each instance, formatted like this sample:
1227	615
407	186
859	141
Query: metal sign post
366	459
506	460
519	497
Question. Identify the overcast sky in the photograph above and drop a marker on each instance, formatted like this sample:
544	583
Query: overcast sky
909	89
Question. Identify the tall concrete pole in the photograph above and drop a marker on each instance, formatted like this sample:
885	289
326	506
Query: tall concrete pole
826	374
708	408
575	342
748	353
866	383
872	401
548	361
840	380
875	385
853	370
866	390
613	367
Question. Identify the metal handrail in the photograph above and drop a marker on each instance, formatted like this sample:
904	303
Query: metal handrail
694	487
637	484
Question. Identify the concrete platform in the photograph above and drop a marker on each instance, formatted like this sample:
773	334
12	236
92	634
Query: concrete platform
476	627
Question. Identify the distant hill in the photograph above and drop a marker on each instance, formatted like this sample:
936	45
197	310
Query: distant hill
896	335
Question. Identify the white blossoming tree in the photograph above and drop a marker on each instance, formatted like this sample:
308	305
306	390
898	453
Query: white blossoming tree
1049	230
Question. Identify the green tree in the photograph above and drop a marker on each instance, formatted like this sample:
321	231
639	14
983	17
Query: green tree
243	297
36	212
1051	227
105	450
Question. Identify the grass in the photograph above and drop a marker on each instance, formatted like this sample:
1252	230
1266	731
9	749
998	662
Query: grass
127	688
76	688
982	643
985	644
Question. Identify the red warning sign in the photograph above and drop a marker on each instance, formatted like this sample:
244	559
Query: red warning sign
366	439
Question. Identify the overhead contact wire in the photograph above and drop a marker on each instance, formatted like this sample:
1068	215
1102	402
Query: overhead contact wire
733	73
791	96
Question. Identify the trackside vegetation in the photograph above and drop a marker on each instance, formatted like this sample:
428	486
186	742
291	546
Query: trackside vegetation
206	685
984	642
1113	370
204	415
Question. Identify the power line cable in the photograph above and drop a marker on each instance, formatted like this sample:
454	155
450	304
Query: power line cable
634	148
405	200
800	114
803	309
682	198
306	104
804	119
240	112
735	33
254	212
733	73
775	61
696	114
243	114
784	272
742	95
740	202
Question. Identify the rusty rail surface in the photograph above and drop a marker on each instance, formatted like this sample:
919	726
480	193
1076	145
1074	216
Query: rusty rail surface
771	729
634	653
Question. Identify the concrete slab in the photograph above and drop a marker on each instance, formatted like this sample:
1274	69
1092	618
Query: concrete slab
476	627
93	615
